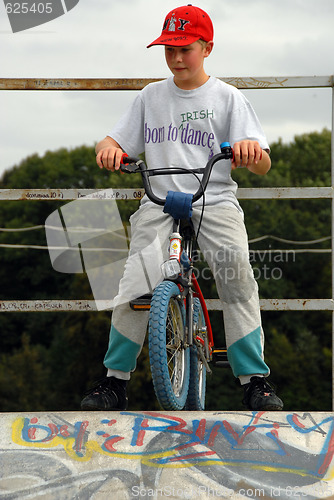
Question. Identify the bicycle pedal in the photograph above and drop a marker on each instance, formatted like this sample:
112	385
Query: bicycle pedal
142	303
219	357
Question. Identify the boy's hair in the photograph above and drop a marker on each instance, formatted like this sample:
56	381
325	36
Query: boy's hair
184	26
203	43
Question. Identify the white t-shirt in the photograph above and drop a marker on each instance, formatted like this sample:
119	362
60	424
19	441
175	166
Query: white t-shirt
184	128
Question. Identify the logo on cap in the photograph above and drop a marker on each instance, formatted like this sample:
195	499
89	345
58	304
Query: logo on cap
172	25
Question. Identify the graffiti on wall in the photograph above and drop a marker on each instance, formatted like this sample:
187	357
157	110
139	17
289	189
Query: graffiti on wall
245	453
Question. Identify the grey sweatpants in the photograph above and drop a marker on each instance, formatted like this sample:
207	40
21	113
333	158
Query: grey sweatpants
224	243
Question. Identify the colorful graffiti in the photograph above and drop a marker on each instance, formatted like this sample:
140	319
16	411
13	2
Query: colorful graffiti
232	452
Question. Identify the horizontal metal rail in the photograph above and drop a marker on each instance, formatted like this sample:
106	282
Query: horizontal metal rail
71	194
138	193
281	82
283	304
284	193
212	305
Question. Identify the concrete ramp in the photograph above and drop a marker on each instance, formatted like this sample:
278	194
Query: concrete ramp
152	455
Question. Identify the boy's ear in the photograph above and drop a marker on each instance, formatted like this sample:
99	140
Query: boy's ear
208	49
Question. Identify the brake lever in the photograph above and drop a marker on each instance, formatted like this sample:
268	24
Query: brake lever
130	168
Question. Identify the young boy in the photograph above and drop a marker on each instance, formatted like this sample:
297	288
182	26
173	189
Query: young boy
181	122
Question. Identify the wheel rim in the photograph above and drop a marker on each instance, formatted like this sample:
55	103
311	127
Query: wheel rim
200	366
174	347
200	378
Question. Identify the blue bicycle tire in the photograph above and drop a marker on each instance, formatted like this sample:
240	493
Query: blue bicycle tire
169	360
197	384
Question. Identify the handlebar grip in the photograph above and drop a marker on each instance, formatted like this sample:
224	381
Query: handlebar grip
227	150
126	159
123	159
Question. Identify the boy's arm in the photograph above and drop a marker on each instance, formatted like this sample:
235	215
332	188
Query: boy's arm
250	154
108	154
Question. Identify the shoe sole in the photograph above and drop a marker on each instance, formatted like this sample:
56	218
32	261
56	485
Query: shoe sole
96	408
270	408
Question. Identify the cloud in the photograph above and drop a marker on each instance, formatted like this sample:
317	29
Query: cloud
289	112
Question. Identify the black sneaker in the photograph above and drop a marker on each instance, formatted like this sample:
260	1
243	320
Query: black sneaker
260	395
109	393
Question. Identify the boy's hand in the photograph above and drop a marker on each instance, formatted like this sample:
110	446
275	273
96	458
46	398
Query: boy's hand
109	158
246	153
249	154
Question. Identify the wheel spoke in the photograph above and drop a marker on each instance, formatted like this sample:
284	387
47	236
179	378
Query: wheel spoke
175	358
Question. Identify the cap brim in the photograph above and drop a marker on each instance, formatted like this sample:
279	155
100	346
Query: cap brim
174	40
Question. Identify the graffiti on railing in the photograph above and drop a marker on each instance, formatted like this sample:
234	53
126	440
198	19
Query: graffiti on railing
255	454
256	83
188	434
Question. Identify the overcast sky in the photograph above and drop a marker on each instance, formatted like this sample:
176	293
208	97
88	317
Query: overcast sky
108	38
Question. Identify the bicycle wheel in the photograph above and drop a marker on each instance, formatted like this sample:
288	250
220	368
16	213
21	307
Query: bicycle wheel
197	383
169	360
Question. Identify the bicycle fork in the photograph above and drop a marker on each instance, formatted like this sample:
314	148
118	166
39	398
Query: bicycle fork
188	267
186	280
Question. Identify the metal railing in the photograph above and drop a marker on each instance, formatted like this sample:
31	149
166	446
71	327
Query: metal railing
77	84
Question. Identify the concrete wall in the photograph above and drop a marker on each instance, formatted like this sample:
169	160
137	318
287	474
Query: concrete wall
129	455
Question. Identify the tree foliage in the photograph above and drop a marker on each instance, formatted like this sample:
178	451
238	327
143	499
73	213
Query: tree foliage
49	359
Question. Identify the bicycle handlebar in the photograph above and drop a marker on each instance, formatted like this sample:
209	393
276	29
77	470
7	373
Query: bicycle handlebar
133	165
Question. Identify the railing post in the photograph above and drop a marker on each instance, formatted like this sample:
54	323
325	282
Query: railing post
332	174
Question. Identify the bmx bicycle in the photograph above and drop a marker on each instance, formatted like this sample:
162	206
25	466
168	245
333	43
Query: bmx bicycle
180	338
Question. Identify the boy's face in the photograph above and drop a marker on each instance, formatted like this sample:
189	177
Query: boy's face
186	63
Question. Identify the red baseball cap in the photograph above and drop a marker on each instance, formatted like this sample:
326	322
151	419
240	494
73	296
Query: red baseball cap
185	25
